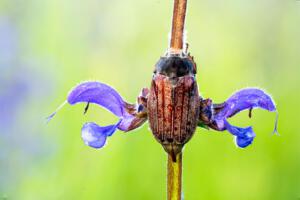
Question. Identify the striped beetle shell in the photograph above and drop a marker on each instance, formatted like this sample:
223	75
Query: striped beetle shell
173	102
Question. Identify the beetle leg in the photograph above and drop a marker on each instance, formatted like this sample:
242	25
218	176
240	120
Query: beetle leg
206	111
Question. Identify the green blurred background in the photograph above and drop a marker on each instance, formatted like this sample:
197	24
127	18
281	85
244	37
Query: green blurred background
48	46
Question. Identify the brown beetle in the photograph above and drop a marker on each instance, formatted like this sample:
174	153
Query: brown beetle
173	102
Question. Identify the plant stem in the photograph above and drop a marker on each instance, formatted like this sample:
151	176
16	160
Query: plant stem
174	177
176	45
179	12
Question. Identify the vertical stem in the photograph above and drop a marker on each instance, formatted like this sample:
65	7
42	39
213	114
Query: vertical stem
176	45
179	12
174	177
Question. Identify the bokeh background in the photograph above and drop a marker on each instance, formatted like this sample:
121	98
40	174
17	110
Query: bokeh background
48	46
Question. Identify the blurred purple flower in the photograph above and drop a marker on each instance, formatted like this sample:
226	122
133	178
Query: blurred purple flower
9	105
20	88
10	87
8	42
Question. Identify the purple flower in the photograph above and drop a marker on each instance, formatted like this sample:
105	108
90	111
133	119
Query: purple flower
244	99
132	116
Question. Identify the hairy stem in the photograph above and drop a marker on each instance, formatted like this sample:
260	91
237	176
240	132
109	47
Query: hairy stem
177	33
174	177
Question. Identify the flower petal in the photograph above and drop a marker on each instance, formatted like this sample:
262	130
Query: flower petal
244	136
246	99
99	93
95	136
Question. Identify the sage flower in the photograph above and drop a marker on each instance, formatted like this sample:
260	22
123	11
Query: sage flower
132	116
248	98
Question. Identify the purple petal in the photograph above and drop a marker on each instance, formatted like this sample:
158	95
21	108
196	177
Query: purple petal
246	99
244	136
95	136
99	93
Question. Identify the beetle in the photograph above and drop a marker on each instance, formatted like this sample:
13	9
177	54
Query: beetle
173	101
